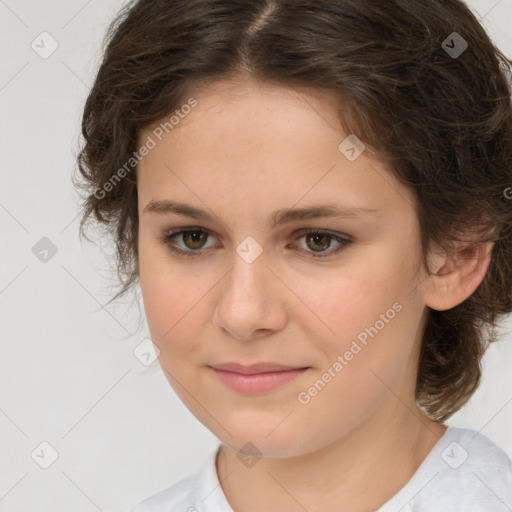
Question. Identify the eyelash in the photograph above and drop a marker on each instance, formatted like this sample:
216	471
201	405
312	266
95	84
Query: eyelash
167	237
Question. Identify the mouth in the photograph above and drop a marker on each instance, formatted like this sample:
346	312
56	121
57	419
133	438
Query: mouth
256	378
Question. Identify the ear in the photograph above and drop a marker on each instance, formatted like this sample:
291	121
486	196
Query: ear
456	275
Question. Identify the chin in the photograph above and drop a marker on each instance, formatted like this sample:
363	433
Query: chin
260	441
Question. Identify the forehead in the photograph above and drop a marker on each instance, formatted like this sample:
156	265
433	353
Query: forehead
230	95
264	143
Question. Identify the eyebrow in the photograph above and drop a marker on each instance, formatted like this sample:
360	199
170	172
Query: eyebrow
166	207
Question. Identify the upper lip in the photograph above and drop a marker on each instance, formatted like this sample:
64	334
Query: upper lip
255	368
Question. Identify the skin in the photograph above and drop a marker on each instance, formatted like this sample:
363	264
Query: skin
246	150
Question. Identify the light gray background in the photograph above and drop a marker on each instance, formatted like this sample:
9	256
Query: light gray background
68	373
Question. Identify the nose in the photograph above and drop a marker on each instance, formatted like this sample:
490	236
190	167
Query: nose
250	302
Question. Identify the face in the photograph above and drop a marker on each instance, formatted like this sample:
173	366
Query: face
337	297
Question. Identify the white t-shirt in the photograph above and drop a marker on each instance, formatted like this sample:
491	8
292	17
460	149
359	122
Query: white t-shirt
464	472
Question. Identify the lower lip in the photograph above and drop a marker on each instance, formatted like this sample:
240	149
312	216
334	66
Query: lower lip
258	382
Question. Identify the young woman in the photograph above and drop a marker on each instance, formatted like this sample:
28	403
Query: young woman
315	197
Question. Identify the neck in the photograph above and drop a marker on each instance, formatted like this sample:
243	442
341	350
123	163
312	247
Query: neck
381	455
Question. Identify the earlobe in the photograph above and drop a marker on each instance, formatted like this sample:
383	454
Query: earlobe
456	275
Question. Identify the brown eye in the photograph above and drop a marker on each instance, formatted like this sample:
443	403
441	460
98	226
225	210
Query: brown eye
318	244
194	242
187	242
194	239
318	241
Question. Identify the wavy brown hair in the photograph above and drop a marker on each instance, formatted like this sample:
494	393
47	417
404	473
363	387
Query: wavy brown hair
442	123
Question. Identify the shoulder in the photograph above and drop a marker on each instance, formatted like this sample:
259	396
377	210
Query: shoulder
189	494
466	451
476	471
465	471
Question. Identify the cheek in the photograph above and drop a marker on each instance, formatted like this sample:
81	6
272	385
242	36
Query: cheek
347	300
368	364
367	315
172	299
